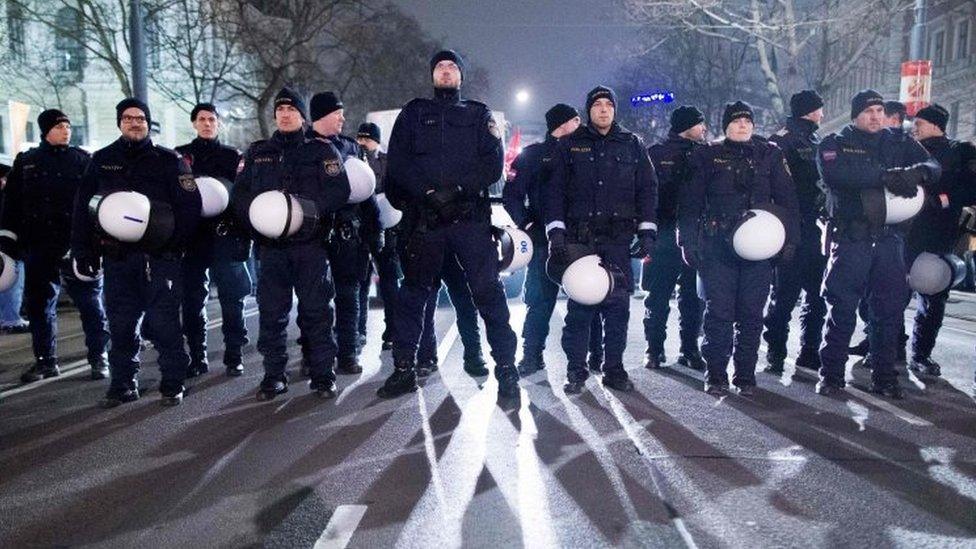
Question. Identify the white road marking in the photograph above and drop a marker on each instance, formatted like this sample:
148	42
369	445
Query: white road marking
341	527
68	370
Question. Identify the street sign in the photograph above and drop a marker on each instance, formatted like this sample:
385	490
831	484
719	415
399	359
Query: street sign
653	97
916	85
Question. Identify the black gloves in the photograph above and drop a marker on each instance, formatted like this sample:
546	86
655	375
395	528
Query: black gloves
445	203
9	245
557	244
903	182
646	239
691	257
88	265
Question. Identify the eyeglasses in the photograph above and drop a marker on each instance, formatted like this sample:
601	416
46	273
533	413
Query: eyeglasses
133	119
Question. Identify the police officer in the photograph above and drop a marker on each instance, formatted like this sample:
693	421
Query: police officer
866	256
356	231
522	197
222	245
671	159
935	229
385	259
36	225
602	194
444	154
311	171
895	114
143	279
798	141
742	172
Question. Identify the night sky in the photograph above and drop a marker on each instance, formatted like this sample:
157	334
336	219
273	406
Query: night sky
557	50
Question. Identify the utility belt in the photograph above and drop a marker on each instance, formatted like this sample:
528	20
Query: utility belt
857	230
115	250
598	231
346	230
720	224
463	210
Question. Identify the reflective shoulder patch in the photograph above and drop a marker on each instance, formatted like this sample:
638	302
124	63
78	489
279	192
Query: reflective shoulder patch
187	182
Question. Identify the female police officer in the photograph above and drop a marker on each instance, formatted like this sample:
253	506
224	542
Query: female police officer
731	177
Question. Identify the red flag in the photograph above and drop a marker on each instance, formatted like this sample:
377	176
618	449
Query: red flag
511	152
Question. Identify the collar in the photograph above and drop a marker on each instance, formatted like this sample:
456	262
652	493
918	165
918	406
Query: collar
288	139
447	95
200	143
801	125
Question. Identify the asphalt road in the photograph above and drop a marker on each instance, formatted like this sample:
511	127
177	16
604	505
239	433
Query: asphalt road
663	466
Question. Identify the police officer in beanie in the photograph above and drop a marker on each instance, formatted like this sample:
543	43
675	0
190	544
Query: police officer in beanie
672	163
355	232
523	198
602	194
895	114
935	229
388	268
866	255
385	259
444	154
798	141
740	173
143	279
309	170
36	227
219	249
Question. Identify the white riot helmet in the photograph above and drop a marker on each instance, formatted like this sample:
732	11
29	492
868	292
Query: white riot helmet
389	216
759	235
933	274
132	217
214	196
362	180
899	209
514	248
881	206
278	215
586	280
8	272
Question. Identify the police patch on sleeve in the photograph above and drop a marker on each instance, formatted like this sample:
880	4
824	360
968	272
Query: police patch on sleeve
332	167
188	183
493	129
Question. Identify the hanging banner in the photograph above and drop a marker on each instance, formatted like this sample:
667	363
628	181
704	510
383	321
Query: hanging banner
916	85
19	113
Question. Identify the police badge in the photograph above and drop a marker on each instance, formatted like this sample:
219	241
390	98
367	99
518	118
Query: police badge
332	167
188	183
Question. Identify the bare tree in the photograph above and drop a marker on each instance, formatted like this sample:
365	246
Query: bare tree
198	50
796	43
101	28
285	42
699	70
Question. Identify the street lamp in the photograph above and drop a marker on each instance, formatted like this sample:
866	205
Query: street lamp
522	96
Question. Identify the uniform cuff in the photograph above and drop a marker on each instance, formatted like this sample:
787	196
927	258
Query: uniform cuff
555	225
